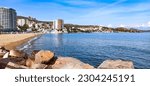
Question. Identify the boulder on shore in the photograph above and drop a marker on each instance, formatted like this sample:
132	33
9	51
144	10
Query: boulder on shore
29	62
70	63
116	64
43	56
17	53
32	65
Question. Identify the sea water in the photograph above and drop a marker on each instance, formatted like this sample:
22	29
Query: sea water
94	48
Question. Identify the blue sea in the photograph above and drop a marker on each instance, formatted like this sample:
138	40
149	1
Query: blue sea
94	48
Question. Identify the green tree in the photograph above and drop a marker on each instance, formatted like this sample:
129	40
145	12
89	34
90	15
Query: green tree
24	27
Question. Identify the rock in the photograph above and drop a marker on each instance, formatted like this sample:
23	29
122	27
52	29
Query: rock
11	65
116	64
5	61
70	63
34	52
38	66
29	62
17	53
2	54
3	48
43	56
32	65
3	51
6	55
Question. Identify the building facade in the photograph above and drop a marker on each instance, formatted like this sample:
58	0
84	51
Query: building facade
8	19
21	21
58	24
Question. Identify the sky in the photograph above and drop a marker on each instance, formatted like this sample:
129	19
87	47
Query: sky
88	12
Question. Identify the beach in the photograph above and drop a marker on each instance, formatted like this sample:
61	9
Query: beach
11	41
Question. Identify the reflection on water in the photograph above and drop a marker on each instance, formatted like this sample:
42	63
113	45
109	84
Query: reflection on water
57	39
94	48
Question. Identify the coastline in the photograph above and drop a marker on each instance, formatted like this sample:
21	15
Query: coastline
11	41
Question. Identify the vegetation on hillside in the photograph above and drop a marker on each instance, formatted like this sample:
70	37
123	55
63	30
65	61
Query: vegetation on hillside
95	28
24	27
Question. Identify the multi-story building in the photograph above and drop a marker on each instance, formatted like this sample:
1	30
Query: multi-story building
33	23
58	24
8	19
21	20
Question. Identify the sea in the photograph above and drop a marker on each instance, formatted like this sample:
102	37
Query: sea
94	48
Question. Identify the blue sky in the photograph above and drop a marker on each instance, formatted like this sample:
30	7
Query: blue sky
97	12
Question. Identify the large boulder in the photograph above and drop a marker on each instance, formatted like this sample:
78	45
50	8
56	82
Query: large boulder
29	62
32	65
17	53
70	63
116	64
43	56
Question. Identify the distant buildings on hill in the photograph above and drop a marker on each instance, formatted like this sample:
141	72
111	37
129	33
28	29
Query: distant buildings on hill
21	20
7	19
40	25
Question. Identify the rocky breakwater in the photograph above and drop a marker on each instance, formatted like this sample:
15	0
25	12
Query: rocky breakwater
44	59
39	59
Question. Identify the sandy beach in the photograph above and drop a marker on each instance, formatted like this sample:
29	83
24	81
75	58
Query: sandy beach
11	41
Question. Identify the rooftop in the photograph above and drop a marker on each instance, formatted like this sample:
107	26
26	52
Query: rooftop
7	8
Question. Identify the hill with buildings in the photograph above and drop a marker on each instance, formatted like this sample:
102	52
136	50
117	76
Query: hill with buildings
71	28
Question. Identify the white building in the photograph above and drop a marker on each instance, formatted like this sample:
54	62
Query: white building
26	20
58	24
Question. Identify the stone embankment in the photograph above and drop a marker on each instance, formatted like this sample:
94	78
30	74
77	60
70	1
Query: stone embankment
44	59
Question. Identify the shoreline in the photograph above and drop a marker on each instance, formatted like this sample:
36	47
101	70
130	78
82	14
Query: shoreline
15	40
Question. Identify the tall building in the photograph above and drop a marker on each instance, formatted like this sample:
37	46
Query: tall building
58	24
8	19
